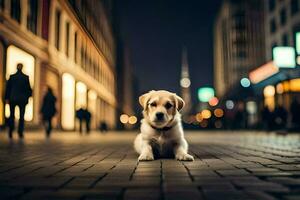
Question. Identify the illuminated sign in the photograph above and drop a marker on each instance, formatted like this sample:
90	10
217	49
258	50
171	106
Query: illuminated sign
298	42
245	82
263	72
284	57
205	94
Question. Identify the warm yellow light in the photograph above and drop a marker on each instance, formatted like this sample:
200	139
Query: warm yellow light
286	86
218	112
279	88
199	117
15	56
295	85
81	92
206	114
185	82
132	120
269	91
124	118
68	97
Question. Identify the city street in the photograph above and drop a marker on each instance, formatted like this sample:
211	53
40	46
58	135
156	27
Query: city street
228	165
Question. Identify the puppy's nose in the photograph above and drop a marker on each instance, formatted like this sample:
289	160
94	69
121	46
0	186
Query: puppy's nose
159	116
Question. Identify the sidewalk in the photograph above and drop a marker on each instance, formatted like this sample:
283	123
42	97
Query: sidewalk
227	166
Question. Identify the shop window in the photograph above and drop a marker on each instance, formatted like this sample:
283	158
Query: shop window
15	10
57	28
2	4
68	100
81	95
15	56
32	15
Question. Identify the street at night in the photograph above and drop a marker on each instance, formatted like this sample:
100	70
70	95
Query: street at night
228	165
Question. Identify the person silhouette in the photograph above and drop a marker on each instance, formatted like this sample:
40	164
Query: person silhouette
48	110
17	93
87	118
80	115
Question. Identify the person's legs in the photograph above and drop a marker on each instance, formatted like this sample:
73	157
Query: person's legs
88	128
80	125
11	121
49	127
21	120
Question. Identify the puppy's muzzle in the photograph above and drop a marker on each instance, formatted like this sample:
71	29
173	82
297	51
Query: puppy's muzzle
159	116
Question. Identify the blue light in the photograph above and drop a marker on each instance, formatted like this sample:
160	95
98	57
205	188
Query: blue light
245	82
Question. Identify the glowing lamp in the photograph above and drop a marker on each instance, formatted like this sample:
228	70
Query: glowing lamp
218	112
263	72
185	82
284	57
213	101
199	117
124	119
295	85
205	94
206	114
132	120
229	104
245	82
279	88
269	91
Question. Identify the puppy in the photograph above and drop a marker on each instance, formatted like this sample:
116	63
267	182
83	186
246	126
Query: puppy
161	130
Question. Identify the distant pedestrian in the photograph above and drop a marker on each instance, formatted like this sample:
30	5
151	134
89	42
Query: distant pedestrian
80	115
87	118
266	118
295	114
280	117
17	93
48	110
103	127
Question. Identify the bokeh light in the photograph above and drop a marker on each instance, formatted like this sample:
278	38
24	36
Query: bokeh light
199	117
218	112
206	114
132	120
245	82
185	82
229	104
269	91
213	101
124	118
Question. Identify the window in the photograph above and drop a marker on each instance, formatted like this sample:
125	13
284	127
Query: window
272	5
285	40
294	6
273	26
15	10
75	47
2	4
67	38
32	15
283	17
57	28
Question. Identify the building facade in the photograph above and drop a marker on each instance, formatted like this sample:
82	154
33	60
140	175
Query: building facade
67	45
239	44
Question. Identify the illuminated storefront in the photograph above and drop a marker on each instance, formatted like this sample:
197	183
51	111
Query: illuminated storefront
68	100
15	56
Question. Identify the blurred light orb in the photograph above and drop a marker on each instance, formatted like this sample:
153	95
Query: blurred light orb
279	88
199	117
124	119
204	124
132	120
218	112
206	114
185	82
269	91
245	82
229	104
218	124
205	94
251	107
213	101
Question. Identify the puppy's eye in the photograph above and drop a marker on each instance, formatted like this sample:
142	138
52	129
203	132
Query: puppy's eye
168	106
153	104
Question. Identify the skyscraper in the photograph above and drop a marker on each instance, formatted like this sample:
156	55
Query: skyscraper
185	84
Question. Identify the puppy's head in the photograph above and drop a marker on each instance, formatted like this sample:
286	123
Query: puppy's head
160	107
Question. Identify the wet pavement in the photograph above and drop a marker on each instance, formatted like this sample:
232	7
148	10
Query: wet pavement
228	165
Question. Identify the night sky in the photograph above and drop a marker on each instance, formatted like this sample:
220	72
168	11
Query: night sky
155	32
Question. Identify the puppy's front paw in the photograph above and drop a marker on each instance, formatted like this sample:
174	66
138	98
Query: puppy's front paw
184	157
146	157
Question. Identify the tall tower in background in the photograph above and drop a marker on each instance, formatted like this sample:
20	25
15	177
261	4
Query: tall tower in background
185	84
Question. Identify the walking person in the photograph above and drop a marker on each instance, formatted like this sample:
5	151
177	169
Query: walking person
48	110
80	115
87	118
17	93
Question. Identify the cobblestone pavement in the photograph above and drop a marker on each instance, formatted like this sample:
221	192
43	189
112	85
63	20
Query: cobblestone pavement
228	165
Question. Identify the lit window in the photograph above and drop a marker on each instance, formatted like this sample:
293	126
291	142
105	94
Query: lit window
68	99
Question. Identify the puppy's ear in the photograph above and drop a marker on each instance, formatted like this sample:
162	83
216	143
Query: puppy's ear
143	99
179	102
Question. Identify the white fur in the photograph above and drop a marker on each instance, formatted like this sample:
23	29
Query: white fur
163	141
